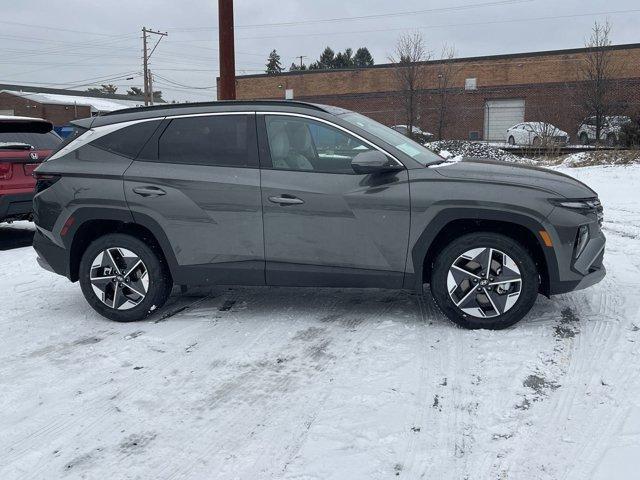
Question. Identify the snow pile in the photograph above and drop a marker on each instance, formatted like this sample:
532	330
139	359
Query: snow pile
459	149
607	157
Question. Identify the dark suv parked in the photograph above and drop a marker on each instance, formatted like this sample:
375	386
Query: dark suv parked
287	193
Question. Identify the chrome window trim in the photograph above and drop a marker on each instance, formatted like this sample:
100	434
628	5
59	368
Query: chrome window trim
97	132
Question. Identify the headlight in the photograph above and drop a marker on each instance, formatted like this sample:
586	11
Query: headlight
587	205
580	204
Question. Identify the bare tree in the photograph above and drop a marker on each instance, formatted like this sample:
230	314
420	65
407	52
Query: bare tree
447	70
409	53
596	72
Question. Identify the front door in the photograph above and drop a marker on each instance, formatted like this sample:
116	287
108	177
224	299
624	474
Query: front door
199	182
323	223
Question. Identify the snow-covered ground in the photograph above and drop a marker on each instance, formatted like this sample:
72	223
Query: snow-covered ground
324	384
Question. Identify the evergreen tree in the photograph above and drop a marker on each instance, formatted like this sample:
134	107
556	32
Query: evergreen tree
363	58
296	68
274	67
327	59
135	92
344	59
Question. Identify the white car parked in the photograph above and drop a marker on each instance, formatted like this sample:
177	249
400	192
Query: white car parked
609	133
536	134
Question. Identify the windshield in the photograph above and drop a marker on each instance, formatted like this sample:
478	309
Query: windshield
39	141
419	153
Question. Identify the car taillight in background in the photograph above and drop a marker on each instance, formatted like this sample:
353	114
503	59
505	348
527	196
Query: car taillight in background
44	181
5	170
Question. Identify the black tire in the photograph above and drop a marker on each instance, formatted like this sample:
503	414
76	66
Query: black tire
584	139
511	141
159	279
524	261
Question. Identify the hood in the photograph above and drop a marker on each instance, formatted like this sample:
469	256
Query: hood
492	171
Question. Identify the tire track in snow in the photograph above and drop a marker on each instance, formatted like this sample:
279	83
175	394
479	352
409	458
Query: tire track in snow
313	359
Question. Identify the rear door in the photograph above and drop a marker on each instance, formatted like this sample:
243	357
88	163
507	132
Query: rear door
323	223
198	180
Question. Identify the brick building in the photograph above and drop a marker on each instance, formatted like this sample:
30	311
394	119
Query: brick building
485	95
59	105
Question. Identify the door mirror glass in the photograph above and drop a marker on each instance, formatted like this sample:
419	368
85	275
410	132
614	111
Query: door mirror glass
374	161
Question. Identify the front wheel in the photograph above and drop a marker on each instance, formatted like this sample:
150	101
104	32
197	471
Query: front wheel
123	278
484	280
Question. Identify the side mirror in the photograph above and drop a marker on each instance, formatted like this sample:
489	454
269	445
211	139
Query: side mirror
374	161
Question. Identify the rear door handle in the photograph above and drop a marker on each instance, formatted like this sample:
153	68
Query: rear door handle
149	191
286	199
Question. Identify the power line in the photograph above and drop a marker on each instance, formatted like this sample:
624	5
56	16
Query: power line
448	25
366	17
173	82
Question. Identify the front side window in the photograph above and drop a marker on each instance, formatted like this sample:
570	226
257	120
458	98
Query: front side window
303	144
216	140
417	152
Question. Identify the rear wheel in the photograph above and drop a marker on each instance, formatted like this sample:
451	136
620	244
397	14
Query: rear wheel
484	280
123	278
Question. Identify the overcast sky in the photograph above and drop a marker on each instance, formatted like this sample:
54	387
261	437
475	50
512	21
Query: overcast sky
71	43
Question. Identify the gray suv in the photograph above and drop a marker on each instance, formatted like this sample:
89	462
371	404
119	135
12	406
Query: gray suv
295	194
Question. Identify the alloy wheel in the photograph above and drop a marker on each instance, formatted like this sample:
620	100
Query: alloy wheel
484	282
119	278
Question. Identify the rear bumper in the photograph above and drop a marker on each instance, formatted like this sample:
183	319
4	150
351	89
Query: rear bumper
16	205
50	256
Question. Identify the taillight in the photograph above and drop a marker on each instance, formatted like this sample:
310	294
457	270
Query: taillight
44	181
5	170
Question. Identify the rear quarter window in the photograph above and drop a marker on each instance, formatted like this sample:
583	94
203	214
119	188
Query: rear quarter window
127	141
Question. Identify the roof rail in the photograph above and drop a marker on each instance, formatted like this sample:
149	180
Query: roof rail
171	106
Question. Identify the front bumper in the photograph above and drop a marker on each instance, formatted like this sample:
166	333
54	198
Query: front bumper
585	271
16	205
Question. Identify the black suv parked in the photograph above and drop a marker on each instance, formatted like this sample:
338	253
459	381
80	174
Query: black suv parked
287	193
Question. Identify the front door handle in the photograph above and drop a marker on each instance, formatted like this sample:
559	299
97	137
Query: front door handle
286	199
149	191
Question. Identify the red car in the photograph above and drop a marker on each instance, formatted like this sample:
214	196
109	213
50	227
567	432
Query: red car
24	144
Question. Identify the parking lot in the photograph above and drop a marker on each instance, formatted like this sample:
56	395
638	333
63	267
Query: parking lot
314	383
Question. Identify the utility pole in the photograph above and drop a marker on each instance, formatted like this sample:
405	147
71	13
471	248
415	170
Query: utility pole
226	47
301	57
150	78
148	87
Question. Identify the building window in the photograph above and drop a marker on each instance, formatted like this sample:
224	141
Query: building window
471	84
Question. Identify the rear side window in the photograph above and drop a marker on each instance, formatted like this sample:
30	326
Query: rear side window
216	140
127	141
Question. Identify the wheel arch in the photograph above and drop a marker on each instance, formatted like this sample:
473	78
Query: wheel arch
453	223
92	223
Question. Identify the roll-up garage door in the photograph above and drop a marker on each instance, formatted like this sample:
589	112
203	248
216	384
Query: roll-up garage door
499	115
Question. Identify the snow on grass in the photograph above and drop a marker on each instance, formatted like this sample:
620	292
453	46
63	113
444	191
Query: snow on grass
458	149
602	157
325	384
